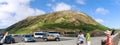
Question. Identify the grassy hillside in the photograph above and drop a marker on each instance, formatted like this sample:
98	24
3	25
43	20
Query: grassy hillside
62	20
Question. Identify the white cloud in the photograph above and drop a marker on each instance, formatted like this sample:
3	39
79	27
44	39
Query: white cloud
117	2
49	5
37	12
62	6
12	11
99	20
53	0
81	2
102	11
4	15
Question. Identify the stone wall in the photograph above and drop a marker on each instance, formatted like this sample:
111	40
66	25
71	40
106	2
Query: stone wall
115	39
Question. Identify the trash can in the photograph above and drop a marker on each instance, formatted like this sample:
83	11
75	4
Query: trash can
103	42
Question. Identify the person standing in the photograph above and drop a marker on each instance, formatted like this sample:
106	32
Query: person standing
109	38
81	38
88	38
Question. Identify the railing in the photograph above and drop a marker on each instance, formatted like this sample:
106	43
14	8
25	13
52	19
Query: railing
115	39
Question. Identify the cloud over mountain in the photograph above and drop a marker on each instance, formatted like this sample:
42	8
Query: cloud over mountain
12	11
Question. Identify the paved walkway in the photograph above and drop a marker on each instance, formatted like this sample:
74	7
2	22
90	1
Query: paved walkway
73	41
119	42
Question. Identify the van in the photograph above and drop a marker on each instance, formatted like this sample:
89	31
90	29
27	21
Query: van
39	34
57	34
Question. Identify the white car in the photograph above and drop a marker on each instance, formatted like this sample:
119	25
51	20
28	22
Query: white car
56	34
39	34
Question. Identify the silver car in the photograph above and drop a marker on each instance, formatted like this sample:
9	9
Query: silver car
28	38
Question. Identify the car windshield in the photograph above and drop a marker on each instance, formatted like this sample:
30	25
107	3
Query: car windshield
54	32
1	35
8	36
27	35
39	33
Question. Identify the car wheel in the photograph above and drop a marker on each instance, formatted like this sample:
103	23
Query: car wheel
23	40
8	42
13	41
57	39
45	39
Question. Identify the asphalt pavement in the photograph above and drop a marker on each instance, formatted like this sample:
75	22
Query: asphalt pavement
64	41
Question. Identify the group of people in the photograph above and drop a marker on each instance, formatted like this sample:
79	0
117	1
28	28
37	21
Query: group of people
82	38
86	38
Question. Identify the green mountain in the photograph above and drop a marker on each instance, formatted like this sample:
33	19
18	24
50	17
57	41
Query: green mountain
61	20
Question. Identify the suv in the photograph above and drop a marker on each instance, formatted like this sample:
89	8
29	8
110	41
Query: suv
49	36
57	34
9	39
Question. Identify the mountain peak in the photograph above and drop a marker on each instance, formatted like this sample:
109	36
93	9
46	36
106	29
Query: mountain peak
60	20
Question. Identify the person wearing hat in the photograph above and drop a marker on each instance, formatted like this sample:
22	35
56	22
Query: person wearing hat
109	38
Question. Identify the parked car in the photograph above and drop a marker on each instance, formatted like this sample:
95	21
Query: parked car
49	36
39	34
57	34
1	36
28	38
9	39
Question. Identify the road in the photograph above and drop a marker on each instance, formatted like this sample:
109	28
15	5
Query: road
64	41
119	42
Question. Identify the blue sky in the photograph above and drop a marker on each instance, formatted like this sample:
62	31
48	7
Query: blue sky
106	12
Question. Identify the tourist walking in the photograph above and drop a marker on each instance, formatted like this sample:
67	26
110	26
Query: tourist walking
81	38
88	38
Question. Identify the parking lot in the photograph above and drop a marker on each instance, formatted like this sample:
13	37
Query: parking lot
41	42
19	39
64	41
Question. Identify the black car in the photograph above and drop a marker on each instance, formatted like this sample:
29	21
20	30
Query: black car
9	39
1	36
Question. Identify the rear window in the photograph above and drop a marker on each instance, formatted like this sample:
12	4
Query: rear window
1	34
55	32
39	33
69	32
